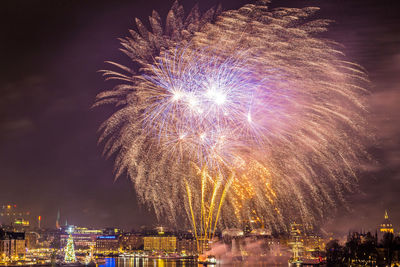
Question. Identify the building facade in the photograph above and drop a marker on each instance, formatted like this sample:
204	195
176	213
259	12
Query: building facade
107	244
131	242
83	237
160	243
12	246
186	246
10	214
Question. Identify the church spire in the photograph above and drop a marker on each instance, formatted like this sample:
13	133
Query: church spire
386	215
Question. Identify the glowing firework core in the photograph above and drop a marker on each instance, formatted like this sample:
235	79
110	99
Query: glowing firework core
216	96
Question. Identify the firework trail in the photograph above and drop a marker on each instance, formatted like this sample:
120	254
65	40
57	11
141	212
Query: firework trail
245	112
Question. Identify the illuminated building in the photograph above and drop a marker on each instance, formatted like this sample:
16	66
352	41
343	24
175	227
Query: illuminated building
386	226
9	214
12	246
107	244
131	242
31	239
160	243
186	246
305	245
83	230
313	242
83	237
21	224
112	231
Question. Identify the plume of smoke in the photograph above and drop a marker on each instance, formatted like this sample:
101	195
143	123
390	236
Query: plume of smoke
249	250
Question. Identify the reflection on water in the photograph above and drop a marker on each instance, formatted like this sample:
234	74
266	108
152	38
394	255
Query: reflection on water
145	262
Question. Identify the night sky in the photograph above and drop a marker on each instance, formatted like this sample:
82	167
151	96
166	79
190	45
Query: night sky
50	53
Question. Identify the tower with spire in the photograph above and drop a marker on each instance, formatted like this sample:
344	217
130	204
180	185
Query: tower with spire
386	226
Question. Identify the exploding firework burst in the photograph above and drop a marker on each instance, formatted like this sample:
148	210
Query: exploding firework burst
243	112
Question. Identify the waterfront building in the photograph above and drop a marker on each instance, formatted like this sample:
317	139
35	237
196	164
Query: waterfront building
160	243
107	244
31	239
130	242
314	246
47	238
12	246
186	246
313	242
83	237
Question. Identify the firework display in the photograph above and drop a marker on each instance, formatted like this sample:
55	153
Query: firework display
231	115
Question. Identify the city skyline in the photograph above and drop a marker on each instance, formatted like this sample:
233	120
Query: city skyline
50	160
14	216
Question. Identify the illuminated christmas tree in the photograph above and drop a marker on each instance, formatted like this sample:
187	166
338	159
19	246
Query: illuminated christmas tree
69	250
